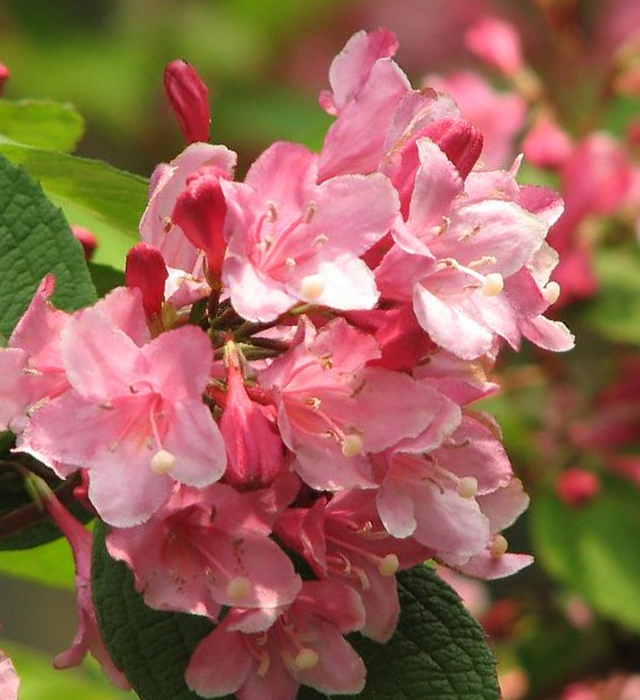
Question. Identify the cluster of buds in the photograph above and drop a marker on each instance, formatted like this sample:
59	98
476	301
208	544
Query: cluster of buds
288	376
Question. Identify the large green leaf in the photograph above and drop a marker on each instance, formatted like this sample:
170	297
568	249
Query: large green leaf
107	201
593	549
41	123
437	653
35	240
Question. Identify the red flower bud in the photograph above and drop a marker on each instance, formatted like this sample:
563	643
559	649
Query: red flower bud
187	95
5	74
87	240
459	140
200	211
575	487
145	268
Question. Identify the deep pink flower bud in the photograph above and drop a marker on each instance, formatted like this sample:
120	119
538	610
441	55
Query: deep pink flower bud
87	240
459	140
200	211
187	95
575	487
5	74
497	43
145	268
254	448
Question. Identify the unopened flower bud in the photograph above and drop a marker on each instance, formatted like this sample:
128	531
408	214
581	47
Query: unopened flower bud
187	95
87	240
145	268
497	43
575	487
459	140
200	211
5	74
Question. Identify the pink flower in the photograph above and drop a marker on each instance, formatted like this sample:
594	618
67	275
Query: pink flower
207	548
333	408
452	499
343	540
462	254
135	417
377	111
304	646
88	638
292	240
31	367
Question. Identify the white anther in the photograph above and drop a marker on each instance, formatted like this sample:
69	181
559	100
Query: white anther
352	445
238	588
389	565
551	292
290	262
312	287
320	240
162	462
493	284
498	547
307	659
467	487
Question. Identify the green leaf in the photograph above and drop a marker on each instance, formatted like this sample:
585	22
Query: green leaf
50	565
107	201
438	652
35	240
591	548
614	313
41	123
40	681
105	278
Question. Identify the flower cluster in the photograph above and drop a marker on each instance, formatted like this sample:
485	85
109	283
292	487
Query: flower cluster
288	374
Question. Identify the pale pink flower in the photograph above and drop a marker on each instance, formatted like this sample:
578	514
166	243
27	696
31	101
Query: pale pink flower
138	410
376	110
303	646
207	548
333	408
461	257
292	240
454	498
88	638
